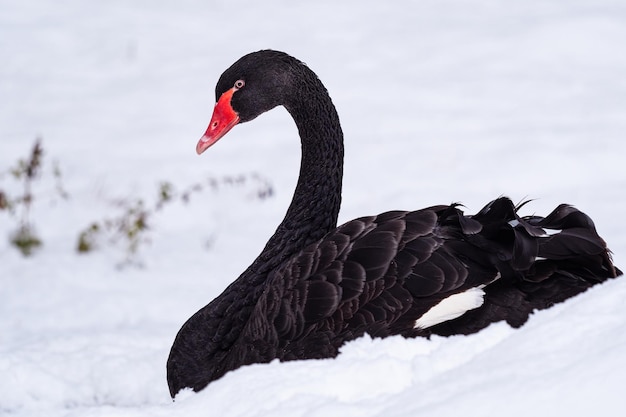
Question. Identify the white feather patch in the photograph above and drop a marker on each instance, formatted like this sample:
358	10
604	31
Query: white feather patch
550	232
451	308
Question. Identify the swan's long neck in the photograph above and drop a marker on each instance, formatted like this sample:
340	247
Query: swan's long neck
315	205
202	349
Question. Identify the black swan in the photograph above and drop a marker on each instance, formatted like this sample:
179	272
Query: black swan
315	286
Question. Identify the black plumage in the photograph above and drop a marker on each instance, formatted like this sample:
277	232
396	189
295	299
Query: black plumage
315	286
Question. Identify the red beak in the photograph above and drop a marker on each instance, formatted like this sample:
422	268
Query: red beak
224	118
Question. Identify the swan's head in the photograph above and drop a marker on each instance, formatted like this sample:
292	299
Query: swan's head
254	84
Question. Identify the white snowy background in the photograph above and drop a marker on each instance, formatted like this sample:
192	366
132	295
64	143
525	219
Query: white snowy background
441	101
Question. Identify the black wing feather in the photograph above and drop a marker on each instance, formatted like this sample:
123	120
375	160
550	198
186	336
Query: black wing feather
379	274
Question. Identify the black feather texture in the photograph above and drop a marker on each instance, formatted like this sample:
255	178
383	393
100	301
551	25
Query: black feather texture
315	286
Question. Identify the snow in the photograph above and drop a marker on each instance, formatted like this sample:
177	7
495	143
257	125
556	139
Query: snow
440	101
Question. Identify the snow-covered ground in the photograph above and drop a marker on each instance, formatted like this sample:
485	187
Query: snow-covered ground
441	101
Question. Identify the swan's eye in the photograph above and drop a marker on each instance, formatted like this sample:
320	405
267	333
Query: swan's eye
239	84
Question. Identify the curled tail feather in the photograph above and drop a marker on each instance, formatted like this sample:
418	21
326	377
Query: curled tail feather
543	261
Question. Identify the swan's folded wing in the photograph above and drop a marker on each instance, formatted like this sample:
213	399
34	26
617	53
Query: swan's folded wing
382	274
364	276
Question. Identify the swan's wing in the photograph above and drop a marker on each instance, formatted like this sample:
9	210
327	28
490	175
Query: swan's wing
383	274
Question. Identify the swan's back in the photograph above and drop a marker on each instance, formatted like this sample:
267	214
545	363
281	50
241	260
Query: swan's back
382	275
